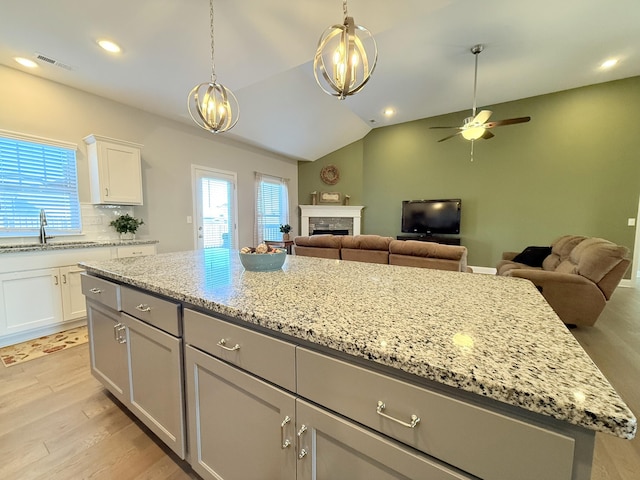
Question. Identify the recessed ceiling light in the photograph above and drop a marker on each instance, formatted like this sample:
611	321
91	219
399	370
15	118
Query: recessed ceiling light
388	112
25	62
109	46
609	63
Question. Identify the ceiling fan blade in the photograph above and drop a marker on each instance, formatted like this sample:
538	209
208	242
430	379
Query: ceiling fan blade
508	121
459	128
482	117
487	135
450	136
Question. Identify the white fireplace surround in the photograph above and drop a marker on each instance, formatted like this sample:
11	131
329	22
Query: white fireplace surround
346	211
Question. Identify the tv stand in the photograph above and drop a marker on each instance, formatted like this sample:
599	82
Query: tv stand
431	238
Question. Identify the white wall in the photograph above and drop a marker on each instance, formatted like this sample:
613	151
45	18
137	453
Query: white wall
31	105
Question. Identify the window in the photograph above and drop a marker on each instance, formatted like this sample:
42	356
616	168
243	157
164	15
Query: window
272	207
37	174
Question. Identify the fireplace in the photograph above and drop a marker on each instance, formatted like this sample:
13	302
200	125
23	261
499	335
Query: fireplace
330	217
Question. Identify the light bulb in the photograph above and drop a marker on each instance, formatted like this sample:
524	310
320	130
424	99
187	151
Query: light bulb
473	133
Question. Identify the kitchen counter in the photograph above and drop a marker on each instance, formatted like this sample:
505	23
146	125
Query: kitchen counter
492	336
61	245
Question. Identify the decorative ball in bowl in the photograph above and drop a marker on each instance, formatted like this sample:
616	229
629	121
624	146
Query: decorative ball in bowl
270	260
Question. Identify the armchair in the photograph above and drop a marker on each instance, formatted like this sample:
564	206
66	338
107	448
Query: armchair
577	278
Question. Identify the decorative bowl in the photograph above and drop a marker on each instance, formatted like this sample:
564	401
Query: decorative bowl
263	262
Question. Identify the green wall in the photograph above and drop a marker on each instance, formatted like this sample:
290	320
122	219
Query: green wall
574	169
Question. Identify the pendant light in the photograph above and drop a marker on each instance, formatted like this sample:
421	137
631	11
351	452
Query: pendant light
345	59
213	106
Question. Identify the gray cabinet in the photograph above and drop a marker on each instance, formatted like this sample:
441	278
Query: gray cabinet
108	352
155	372
140	363
240	427
332	448
243	427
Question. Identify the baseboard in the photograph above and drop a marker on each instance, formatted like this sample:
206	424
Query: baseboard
627	283
20	337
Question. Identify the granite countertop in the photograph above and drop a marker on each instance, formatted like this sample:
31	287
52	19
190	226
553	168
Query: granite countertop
490	335
62	245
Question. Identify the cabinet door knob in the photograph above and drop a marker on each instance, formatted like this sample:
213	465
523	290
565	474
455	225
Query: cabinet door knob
223	344
143	308
64	278
95	290
415	420
56	282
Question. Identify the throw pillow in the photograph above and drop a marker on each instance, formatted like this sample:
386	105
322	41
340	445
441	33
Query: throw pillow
533	256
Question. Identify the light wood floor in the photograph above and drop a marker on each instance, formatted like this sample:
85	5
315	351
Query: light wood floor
57	422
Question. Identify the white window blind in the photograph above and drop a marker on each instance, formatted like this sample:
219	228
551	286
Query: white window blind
37	176
272	207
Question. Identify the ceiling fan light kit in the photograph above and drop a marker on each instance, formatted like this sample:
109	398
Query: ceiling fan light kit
212	106
345	58
477	127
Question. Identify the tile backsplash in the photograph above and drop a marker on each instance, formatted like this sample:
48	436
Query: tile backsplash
95	224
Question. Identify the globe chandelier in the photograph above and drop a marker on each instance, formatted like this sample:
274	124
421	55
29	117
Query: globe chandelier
345	59
213	106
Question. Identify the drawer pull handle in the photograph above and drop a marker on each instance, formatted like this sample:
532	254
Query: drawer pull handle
143	308
284	442
414	418
303	452
223	344
95	290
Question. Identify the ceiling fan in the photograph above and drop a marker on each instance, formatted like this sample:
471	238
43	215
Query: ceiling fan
477	126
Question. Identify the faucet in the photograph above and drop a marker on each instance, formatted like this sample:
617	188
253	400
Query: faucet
43	222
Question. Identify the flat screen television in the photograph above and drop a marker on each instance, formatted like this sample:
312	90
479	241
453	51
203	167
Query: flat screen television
428	217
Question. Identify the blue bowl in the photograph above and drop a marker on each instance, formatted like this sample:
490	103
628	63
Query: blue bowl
263	262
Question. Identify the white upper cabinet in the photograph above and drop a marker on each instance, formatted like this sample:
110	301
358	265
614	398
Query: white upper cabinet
115	171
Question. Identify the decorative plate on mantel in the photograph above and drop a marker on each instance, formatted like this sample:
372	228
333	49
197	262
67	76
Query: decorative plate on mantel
330	174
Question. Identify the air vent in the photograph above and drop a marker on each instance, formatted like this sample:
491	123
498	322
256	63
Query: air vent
52	61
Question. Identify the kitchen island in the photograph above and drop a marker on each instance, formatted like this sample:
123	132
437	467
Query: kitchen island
498	385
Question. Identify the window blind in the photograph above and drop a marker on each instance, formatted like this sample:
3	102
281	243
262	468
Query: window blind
272	207
36	176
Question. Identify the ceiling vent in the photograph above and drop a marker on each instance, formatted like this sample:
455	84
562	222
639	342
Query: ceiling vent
52	61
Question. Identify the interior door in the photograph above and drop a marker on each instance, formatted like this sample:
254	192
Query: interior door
215	208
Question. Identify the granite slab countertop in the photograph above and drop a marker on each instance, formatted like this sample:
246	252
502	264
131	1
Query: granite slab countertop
62	245
490	335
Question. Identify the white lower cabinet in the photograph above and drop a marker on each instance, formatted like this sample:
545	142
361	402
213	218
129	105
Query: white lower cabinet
32	299
73	302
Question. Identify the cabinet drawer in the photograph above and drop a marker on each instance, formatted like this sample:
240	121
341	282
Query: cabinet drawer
135	251
267	357
155	311
476	440
101	291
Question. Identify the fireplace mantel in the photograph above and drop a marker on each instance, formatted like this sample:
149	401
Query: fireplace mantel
348	211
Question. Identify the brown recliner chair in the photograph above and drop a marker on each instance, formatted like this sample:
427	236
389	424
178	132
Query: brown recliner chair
577	278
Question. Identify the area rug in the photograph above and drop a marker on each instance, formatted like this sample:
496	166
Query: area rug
39	347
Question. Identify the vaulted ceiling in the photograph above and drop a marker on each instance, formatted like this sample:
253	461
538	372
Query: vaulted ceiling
264	53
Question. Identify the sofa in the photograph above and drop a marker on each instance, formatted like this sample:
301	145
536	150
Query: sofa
577	277
384	250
